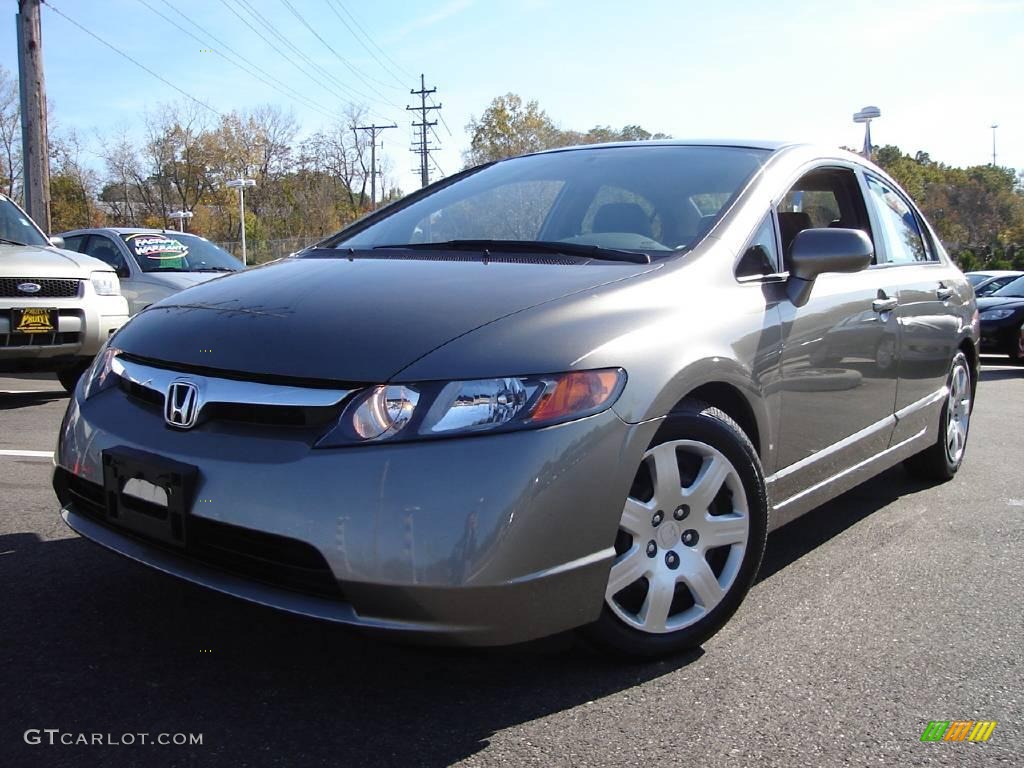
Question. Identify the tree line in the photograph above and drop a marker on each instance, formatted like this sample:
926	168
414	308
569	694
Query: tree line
309	186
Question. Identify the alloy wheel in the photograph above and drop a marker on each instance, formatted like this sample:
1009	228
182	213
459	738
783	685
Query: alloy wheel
682	537
958	413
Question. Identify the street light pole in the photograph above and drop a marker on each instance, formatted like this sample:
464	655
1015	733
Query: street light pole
240	184
994	126
866	115
181	216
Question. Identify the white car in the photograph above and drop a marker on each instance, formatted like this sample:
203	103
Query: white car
56	307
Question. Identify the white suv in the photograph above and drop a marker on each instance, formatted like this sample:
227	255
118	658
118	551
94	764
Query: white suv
56	307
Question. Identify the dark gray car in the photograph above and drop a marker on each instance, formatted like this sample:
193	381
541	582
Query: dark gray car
573	389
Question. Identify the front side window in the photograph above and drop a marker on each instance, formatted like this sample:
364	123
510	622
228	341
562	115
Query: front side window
820	199
17	227
104	249
901	231
179	252
653	199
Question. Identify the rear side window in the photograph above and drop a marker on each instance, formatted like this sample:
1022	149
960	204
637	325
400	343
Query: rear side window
901	230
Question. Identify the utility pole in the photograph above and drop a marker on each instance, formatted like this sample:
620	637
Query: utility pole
994	126
374	130
35	147
422	146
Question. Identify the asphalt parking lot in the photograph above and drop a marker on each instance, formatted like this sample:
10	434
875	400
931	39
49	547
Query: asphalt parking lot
892	606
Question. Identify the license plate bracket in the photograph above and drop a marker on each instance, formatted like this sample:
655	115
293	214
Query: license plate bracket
34	320
148	517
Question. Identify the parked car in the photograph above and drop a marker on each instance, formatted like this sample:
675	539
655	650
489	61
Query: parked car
987	283
1001	316
574	389
153	263
56	308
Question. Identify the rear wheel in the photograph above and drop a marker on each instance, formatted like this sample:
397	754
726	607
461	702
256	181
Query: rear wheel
690	539
942	460
1017	354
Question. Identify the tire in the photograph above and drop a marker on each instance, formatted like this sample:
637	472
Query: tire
68	377
940	461
718	471
1017	353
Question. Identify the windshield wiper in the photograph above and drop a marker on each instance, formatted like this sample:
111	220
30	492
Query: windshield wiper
215	269
526	246
11	242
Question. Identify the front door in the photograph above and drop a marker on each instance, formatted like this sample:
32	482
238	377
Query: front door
840	350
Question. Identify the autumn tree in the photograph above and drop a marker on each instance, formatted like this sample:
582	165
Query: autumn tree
10	135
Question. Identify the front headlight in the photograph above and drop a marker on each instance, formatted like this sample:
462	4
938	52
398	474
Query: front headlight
996	314
105	284
99	376
442	409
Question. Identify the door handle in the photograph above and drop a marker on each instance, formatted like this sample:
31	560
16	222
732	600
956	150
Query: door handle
942	292
884	305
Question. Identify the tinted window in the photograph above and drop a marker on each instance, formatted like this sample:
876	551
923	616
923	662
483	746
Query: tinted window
655	198
901	231
104	249
17	226
179	252
74	243
1016	288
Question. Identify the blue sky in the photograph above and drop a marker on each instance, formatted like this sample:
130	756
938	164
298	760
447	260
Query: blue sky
940	70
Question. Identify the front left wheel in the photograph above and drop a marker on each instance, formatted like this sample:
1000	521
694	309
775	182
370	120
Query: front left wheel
68	377
690	540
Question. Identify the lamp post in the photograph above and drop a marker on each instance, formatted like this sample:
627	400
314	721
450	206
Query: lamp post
866	115
181	216
994	126
240	184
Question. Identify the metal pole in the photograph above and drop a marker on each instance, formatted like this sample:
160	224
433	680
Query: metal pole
35	150
241	213
994	126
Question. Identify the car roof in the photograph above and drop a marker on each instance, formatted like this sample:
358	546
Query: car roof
125	231
995	272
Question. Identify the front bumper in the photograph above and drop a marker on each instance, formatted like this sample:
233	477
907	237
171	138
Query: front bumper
84	323
484	540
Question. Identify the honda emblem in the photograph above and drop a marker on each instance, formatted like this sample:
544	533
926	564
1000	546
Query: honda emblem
181	406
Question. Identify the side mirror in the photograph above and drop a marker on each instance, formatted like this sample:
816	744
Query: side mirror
816	251
57	241
122	272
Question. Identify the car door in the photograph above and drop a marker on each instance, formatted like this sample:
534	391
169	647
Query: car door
109	251
838	369
927	290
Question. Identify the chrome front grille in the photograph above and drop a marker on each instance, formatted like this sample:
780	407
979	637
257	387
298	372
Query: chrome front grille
232	399
49	288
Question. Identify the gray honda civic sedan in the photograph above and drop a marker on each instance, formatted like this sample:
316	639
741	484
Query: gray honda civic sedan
574	389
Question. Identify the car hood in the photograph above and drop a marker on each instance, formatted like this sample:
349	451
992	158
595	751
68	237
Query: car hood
348	320
43	261
999	302
179	280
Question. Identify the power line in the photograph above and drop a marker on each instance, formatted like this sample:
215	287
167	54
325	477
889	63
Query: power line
280	87
365	78
423	146
384	53
119	52
441	118
366	47
335	93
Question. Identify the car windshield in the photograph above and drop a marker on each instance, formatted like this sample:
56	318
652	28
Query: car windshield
976	277
17	227
179	252
651	199
1014	289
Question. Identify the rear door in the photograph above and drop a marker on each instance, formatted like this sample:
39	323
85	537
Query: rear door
928	292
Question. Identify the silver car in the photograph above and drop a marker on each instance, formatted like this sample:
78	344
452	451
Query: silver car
152	264
569	390
56	308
